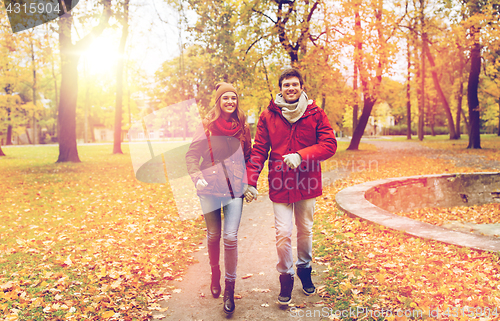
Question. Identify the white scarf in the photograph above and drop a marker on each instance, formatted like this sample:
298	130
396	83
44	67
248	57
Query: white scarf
292	112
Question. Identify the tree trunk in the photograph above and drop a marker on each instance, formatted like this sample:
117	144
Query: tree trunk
358	45
28	136
117	147
55	131
87	102
368	104
34	91
444	101
408	98
128	98
465	121
9	134
433	122
69	89
458	131
498	134
355	106
1	151
86	114
460	91
421	106
472	98
70	54
368	98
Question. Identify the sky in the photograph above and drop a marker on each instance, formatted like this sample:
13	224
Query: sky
153	38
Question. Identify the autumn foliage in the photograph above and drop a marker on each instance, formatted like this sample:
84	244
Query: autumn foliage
377	268
86	241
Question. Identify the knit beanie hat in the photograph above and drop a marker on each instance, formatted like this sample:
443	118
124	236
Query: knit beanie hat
222	88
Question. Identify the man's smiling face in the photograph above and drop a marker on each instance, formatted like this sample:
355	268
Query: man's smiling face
291	89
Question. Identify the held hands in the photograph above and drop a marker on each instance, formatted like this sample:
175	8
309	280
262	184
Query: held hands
201	184
250	193
292	160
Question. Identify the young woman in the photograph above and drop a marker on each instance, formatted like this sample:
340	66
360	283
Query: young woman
223	144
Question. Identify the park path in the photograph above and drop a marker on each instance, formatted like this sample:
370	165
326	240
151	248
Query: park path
257	256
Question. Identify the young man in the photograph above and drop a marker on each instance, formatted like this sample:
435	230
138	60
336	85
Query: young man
299	136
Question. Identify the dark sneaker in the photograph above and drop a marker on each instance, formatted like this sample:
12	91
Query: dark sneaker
286	281
305	277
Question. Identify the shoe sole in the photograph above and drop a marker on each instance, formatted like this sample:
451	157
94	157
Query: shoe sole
307	293
285	303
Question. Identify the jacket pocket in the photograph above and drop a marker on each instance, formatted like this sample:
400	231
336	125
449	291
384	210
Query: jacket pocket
210	175
238	180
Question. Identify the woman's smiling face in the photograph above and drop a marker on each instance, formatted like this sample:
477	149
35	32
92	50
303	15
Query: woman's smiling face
228	103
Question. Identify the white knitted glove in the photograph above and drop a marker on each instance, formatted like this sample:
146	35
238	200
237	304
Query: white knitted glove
292	160
251	193
201	184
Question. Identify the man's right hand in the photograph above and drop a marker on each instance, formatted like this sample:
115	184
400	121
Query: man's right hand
201	184
250	193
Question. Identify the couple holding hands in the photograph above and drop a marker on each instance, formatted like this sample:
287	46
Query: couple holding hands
294	134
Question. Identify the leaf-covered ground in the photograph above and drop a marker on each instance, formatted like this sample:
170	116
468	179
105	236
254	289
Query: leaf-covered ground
86	241
376	273
479	214
89	242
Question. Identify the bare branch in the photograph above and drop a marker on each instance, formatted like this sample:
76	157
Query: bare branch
314	39
265	15
256	41
315	5
86	41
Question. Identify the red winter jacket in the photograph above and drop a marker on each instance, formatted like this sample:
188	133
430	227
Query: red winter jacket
311	136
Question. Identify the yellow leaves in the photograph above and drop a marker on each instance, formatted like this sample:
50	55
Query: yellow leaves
108	314
3	307
68	261
86	242
7	286
402	272
37	302
116	284
380	278
102	273
479	214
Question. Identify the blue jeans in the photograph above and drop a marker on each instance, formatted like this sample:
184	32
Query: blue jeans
283	221
232	208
